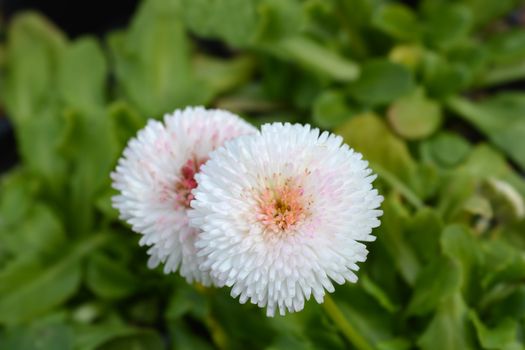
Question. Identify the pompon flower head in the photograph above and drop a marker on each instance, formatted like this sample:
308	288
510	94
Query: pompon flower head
284	213
155	177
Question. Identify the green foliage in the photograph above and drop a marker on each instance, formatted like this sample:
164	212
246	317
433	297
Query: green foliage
409	86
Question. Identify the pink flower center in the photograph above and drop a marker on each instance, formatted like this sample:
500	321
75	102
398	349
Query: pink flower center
187	181
281	207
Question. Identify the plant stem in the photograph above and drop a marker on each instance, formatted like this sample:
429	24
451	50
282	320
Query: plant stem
353	336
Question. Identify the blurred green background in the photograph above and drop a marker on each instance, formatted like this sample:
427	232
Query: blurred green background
431	92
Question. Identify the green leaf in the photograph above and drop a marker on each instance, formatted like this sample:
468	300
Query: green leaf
39	231
503	263
107	278
442	77
125	121
17	193
448	328
398	21
34	52
459	244
485	11
485	162
186	299
223	75
504	336
279	19
213	18
54	336
315	56
82	75
392	233
501	118
152	63
387	154
423	232
109	333
508	46
435	283
507	51
378	293
448	149
381	82
415	116
455	191
331	109
447	24
92	161
184	338
139	340
30	287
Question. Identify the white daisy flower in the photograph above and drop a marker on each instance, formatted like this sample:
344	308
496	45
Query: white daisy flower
155	177
283	214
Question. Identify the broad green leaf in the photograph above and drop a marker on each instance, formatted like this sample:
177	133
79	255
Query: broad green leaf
388	155
17	193
507	47
278	19
381	82
315	56
188	299
40	230
423	232
448	149
34	49
459	244
447	24
504	303
398	21
185	338
485	162
152	62
139	340
377	293
109	333
501	118
125	121
415	116
82	75
92	161
408	55
395	344
455	191
223	75
508	203
42	336
504	336
107	278
331	109
503	263
234	325
507	51
215	19
448	328
32	287
392	233
437	282
486	10
34	52
370	320
442	77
